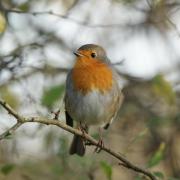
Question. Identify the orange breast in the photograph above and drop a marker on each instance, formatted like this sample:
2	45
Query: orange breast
90	74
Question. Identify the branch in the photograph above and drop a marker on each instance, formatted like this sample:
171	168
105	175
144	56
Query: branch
81	23
10	131
22	120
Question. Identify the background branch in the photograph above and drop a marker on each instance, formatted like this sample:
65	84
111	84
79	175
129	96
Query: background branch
81	23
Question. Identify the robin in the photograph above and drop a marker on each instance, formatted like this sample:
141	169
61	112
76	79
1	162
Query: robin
93	95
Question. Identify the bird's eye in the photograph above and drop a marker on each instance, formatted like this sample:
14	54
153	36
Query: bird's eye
93	55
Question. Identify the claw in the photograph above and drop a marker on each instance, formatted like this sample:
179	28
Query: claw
100	144
56	114
83	128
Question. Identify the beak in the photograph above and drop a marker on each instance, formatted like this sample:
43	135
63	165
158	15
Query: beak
78	54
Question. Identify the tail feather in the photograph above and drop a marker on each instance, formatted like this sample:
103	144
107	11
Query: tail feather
77	147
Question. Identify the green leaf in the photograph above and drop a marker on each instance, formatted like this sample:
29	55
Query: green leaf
52	94
158	174
173	178
3	23
138	178
10	97
7	168
158	156
155	121
24	6
57	169
107	169
163	88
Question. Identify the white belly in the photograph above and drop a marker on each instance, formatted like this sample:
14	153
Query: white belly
92	108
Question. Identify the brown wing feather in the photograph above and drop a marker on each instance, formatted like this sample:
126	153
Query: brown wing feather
118	98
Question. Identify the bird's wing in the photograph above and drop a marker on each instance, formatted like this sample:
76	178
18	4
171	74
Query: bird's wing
69	120
119	86
117	97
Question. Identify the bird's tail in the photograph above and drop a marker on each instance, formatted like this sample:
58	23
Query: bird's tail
77	146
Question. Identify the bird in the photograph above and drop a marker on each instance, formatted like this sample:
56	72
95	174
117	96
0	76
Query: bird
93	94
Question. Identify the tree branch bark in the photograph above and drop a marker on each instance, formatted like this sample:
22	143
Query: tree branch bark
22	120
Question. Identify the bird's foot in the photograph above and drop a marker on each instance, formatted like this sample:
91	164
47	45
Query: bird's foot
100	143
83	128
99	146
56	114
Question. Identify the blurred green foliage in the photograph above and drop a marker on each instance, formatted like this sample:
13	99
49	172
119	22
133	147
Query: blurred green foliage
10	97
163	89
52	95
107	169
157	156
7	168
160	175
24	6
3	22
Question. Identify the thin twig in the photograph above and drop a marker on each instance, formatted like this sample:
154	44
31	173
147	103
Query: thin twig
12	111
123	161
82	23
10	131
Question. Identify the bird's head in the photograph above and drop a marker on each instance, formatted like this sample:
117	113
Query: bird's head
92	52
